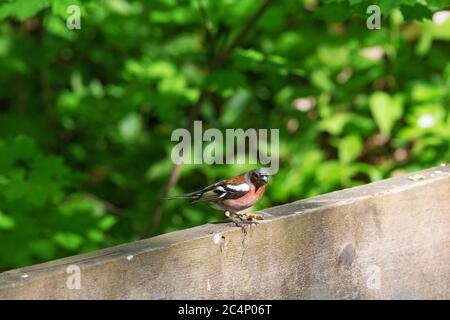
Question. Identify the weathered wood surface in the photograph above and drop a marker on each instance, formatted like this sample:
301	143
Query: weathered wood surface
389	239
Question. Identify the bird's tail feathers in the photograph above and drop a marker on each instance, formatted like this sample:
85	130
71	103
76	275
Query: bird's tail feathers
193	196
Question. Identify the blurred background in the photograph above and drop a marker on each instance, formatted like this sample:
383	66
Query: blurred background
86	115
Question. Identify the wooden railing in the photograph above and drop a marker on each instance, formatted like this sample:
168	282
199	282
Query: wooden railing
389	239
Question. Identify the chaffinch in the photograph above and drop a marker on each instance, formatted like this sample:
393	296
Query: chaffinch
233	195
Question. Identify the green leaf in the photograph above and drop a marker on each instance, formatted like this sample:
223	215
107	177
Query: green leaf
349	148
335	12
223	80
386	110
322	80
130	127
44	249
22	9
159	169
437	4
95	235
107	222
416	12
6	223
59	7
68	240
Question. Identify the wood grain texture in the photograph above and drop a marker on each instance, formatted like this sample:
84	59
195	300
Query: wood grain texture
389	239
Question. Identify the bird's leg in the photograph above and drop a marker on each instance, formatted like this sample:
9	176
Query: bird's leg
240	220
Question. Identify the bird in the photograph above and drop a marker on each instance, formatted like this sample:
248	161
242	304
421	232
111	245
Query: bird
233	195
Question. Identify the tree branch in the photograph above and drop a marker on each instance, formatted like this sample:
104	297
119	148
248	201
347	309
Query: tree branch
224	54
210	46
157	210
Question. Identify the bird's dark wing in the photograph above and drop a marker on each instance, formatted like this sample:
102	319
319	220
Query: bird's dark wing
219	191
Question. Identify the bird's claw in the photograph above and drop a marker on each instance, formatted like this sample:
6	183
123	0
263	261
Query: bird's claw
243	224
252	216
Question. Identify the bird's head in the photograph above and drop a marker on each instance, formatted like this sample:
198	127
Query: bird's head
259	177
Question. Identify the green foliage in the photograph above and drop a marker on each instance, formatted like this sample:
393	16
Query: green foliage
37	219
86	115
385	110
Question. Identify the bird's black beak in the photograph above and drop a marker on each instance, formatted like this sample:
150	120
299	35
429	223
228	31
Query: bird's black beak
265	179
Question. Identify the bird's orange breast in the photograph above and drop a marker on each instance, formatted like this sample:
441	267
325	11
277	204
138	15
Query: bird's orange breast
246	201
